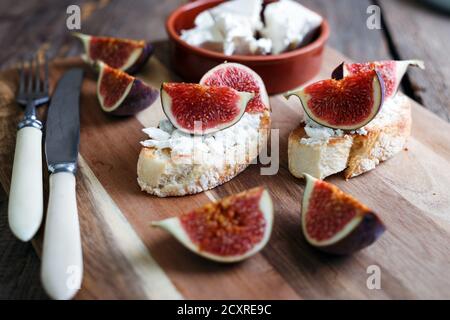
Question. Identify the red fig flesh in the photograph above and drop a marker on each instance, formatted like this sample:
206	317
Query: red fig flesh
121	94
240	78
229	230
347	104
392	71
124	54
198	109
334	221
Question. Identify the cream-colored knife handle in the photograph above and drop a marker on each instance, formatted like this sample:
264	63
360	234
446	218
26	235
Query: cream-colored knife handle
25	206
62	261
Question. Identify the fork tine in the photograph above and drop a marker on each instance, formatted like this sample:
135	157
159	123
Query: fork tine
37	84
22	78
30	76
45	73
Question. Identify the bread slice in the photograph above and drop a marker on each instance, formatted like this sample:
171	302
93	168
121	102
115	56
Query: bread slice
173	163
321	151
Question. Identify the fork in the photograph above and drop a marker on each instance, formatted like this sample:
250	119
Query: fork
25	208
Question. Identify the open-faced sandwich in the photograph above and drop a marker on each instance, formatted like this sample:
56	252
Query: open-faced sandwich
213	131
353	121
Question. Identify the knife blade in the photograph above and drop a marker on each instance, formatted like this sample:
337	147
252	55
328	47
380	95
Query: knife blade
63	123
62	262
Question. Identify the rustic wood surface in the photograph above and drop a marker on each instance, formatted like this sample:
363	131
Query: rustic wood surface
125	258
28	26
418	31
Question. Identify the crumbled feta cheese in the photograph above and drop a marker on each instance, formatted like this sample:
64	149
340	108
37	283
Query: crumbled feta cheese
361	131
318	134
247	46
228	27
387	112
156	143
289	25
203	37
248	9
232	27
261	46
237	32
156	133
212	149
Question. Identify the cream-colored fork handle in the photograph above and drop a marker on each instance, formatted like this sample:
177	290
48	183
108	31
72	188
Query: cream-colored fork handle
25	208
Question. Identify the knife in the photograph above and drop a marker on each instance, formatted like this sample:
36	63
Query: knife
62	261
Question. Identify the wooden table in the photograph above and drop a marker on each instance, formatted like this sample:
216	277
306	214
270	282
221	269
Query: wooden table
28	26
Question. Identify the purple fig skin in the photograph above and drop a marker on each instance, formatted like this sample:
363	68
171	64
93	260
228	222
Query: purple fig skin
366	233
383	90
147	52
140	97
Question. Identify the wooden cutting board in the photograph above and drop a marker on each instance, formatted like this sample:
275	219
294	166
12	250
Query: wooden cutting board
125	258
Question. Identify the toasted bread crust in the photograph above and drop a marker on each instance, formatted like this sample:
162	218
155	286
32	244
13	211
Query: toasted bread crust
380	143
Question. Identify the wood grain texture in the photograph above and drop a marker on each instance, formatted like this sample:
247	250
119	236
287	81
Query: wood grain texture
135	261
115	218
421	32
18	267
115	167
26	26
349	32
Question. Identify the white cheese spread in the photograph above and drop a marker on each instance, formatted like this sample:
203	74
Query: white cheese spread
213	149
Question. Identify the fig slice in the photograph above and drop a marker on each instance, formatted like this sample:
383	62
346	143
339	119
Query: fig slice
392	71
347	104
229	230
335	222
240	78
121	94
198	109
124	54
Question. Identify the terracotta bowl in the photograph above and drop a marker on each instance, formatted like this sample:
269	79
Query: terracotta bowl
280	72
